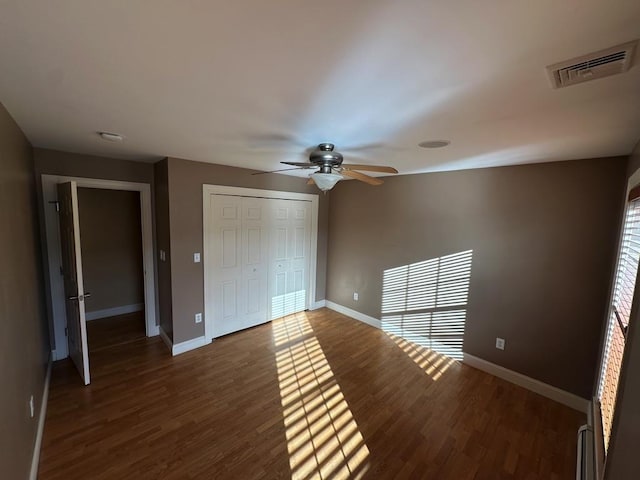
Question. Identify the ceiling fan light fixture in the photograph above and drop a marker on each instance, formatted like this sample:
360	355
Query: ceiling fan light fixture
326	181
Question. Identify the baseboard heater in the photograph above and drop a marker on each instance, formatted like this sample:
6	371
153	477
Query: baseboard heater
586	465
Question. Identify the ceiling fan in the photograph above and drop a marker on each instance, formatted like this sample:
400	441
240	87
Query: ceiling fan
331	169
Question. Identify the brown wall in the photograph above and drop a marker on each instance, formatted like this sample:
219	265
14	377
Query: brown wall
24	340
163	242
54	162
622	462
111	242
185	179
543	239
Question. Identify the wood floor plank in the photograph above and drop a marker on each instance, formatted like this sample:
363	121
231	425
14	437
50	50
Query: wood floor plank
313	395
111	331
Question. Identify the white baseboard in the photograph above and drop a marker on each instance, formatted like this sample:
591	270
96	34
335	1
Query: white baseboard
541	388
319	304
192	344
374	322
182	347
35	459
165	338
112	312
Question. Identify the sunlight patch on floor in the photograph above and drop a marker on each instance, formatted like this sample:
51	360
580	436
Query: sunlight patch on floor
433	363
323	439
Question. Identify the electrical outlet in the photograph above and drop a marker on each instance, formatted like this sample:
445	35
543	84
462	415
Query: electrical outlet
196	257
32	407
355	296
500	343
198	318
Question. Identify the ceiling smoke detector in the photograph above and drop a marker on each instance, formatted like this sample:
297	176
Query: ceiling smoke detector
434	143
600	64
111	137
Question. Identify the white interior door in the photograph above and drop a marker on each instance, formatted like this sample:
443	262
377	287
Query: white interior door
72	273
290	243
239	259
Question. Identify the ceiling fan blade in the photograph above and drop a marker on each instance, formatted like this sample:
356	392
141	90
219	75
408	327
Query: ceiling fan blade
276	171
361	176
369	168
367	146
370	146
301	164
272	140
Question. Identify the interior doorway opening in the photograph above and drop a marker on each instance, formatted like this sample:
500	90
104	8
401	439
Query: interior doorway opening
70	336
112	264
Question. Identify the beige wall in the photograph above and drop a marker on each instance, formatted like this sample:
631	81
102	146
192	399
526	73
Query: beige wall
24	340
185	180
111	242
622	463
543	239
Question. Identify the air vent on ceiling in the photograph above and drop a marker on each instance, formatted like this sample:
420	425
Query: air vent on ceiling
595	65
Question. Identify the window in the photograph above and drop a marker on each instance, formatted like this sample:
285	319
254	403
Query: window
619	312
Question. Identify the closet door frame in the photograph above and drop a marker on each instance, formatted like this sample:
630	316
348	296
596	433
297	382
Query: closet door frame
207	223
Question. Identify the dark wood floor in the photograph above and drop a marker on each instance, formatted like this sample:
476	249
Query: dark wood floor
112	331
314	395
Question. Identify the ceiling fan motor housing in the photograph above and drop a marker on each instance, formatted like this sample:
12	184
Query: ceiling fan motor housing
325	157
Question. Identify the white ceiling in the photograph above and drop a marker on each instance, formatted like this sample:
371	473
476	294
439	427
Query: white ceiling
251	83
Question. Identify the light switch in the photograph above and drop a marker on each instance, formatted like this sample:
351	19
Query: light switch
196	257
162	255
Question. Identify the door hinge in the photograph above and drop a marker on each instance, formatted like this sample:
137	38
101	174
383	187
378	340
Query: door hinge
57	204
66	331
61	271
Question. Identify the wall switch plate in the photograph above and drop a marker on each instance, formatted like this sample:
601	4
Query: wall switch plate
198	318
163	256
196	257
500	343
355	296
32	407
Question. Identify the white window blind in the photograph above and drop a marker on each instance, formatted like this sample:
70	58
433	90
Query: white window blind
618	321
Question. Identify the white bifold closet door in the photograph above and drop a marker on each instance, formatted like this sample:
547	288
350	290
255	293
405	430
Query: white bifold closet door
260	260
290	241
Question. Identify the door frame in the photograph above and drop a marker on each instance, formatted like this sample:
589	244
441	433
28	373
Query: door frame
52	238
207	224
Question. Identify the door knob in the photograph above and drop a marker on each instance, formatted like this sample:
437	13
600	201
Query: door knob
79	297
